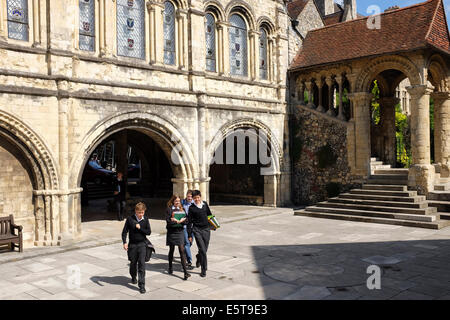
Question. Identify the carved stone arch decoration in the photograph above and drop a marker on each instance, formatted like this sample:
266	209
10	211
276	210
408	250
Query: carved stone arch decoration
179	4
229	127
266	23
378	65
163	131
216	8
34	148
238	6
439	73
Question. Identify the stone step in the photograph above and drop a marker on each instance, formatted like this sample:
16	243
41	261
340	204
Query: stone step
444	215
384	193
439	195
408	223
415	199
384	187
366	213
389	176
400	172
396	181
419	205
381	166
376	163
442	206
371	207
442	187
373	159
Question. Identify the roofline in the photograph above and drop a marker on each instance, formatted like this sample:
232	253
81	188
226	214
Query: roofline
381	14
364	57
434	16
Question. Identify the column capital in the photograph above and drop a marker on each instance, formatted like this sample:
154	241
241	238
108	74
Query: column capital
329	81
309	84
319	83
361	96
418	91
339	79
440	97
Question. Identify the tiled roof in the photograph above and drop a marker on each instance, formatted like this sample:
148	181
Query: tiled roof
405	29
333	18
296	7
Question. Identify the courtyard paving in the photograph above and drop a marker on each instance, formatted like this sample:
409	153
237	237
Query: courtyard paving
258	253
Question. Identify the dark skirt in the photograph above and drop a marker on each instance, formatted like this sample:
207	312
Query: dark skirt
175	237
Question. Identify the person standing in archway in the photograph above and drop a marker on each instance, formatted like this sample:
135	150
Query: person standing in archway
176	218
119	195
199	226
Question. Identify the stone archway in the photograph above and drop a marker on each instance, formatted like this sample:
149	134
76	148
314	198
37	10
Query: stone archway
162	131
30	183
272	173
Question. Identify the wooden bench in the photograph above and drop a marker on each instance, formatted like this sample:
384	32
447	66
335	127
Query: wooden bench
7	234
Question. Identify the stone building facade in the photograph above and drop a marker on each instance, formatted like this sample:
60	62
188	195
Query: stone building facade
75	72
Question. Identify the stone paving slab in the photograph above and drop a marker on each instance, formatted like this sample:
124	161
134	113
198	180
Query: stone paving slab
276	255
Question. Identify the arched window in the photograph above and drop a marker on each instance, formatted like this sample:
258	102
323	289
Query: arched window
238	46
263	54
131	28
87	25
210	27
17	19
169	33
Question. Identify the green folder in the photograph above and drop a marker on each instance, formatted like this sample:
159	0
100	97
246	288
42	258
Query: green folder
179	215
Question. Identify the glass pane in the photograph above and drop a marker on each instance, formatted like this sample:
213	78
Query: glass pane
210	43
263	54
131	28
169	33
87	25
18	19
238	46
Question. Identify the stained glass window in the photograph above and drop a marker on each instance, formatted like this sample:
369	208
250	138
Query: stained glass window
210	42
263	54
169	33
238	46
131	28
87	25
18	19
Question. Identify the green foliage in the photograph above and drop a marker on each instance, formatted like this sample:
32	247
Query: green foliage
375	104
333	189
326	156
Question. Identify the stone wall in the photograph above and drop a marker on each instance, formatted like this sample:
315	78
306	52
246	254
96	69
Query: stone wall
16	191
319	152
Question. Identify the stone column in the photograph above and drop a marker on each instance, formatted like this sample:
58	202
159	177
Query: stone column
181	17
270	190
36	24
362	102
330	83
270	64
442	131
301	92
3	33
421	173
225	48
151	32
219	52
253	56
387	109
102	27
309	87
340	82
320	107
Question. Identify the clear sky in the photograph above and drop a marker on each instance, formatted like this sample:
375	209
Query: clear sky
362	5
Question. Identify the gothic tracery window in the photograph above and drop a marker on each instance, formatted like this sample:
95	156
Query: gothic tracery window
18	19
210	27
131	28
263	54
238	46
169	33
87	25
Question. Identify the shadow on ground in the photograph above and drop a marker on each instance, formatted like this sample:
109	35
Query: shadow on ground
409	270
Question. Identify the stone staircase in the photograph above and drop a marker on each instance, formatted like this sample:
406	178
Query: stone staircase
384	198
440	197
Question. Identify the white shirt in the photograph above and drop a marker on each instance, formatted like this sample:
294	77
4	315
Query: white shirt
199	205
138	218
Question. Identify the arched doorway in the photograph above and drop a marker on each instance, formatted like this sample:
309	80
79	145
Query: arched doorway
145	130
244	165
146	170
